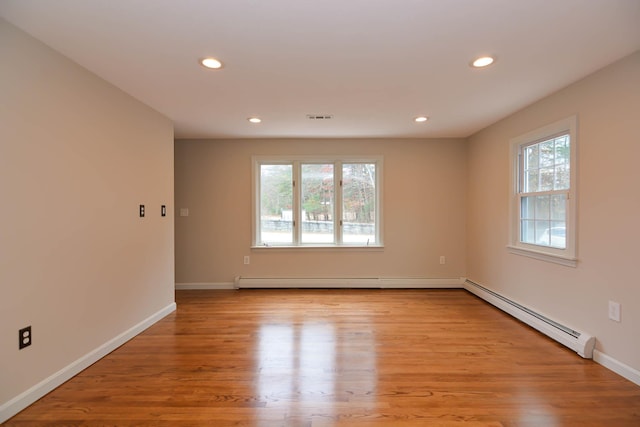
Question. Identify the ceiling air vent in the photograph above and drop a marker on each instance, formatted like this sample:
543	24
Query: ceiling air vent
319	116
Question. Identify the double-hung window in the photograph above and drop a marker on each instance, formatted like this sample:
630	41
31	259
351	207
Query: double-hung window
309	201
543	201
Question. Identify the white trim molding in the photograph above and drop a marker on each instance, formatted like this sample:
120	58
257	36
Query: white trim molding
349	282
20	402
568	261
564	256
616	366
205	286
296	164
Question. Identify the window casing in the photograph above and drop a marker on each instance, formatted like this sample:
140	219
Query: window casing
317	202
543	195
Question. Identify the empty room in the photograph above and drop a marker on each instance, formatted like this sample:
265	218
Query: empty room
315	214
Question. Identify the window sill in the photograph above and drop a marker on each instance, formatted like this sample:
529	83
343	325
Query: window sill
544	256
321	247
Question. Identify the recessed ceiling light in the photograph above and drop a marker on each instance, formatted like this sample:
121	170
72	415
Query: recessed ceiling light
421	119
483	61
255	119
212	63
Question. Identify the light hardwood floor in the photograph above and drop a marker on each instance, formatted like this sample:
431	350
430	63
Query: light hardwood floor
314	358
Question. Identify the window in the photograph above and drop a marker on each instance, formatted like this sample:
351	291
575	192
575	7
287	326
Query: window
317	202
543	201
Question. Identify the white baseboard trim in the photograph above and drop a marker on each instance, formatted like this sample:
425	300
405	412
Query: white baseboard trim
616	366
20	402
213	286
349	282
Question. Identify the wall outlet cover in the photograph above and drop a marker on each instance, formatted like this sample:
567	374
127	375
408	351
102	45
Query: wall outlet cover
24	337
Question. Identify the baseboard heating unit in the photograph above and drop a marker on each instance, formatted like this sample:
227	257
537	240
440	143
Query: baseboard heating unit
580	342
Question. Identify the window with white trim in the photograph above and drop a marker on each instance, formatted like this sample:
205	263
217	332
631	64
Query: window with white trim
543	200
317	202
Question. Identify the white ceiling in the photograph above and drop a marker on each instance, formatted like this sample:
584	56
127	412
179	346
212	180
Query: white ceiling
372	64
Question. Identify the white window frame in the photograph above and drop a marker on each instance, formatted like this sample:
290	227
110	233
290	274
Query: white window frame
296	162
568	255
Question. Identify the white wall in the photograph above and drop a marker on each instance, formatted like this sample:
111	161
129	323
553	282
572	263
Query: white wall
77	157
607	104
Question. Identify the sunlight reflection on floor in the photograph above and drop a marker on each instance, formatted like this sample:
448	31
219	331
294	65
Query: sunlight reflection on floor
300	375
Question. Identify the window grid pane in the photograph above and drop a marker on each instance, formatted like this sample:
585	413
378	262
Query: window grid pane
546	169
317	203
543	220
276	204
359	203
546	165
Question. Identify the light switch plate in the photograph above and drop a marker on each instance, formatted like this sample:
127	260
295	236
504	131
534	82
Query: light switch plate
614	311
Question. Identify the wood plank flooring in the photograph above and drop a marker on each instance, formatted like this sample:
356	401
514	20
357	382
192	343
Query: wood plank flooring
323	358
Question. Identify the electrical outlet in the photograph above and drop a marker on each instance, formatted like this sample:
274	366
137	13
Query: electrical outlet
24	337
614	311
442	259
247	260
163	210
141	211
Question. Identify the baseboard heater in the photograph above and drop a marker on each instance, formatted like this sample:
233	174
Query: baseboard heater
349	282
580	342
